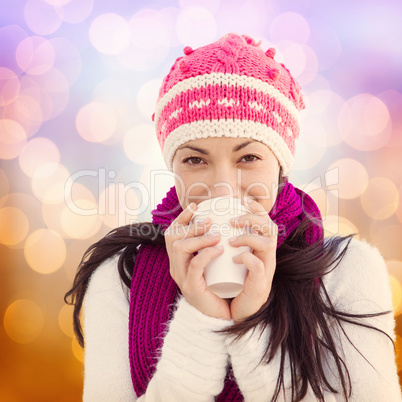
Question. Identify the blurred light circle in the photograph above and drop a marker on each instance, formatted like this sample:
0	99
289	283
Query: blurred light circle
10	37
4	187
319	196
78	352
353	178
136	59
45	251
66	320
53	90
75	11
302	62
48	183
80	222
289	26
57	2
398	348
387	237
51	213
169	16
118	204
41	17
210	5
114	89
364	123
50	89
323	109
393	100
110	34
309	153
9	86
395	269
23	321
36	153
339	226
294	58
35	55
27	110
196	27
14	226
140	144
396	290
12	139
148	29
29	206
157	181
325	42
96	122
380	199
67	58
30	108
76	250
147	96
52	81
399	209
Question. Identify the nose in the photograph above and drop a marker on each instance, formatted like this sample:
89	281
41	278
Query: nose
226	182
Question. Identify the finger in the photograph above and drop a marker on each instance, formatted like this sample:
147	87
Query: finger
254	206
199	227
186	215
184	250
175	228
259	277
199	262
258	272
259	224
259	244
187	247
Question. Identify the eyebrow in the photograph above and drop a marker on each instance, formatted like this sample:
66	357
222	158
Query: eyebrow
204	152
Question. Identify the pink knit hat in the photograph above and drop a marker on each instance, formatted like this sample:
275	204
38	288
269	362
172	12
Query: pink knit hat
229	88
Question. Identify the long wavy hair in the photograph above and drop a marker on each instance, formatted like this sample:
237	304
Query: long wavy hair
298	308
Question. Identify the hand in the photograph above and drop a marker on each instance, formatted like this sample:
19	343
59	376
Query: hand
182	241
260	262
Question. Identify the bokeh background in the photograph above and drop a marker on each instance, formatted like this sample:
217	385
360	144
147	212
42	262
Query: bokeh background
78	154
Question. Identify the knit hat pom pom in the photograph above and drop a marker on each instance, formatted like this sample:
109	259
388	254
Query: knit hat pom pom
271	52
188	50
183	66
251	41
273	73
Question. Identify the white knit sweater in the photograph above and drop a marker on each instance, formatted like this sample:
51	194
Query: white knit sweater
193	361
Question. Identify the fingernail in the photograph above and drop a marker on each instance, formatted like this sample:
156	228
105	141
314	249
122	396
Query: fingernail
233	238
191	206
219	246
248	200
234	220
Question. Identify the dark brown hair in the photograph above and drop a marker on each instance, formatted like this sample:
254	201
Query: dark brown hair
298	308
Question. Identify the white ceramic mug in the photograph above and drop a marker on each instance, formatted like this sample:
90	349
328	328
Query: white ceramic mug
224	277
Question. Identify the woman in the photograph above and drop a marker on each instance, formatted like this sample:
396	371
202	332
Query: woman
314	321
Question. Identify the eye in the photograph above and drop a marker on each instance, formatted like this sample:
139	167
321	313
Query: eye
194	160
250	156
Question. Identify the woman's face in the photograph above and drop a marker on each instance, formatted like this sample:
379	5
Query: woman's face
236	167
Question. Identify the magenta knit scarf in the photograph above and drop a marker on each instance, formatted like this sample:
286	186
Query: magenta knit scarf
154	292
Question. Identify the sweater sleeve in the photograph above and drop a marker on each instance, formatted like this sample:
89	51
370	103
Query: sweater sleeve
193	359
193	362
107	375
358	285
